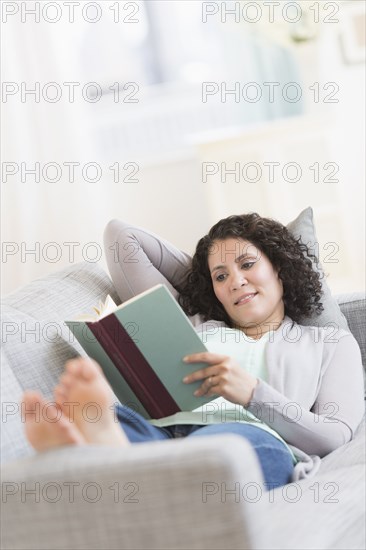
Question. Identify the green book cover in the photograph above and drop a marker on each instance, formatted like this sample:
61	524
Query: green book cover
157	326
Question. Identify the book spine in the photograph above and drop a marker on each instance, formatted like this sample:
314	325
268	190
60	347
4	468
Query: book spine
133	366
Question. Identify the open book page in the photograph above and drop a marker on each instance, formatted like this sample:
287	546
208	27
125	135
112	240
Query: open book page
108	306
101	310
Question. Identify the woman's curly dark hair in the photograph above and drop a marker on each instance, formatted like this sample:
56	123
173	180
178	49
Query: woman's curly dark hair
302	288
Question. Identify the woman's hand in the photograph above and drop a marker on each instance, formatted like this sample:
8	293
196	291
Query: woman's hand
224	377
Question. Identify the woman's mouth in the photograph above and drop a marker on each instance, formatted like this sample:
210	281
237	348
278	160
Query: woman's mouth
246	299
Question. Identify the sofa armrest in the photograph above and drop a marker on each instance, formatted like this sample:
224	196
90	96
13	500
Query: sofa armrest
191	493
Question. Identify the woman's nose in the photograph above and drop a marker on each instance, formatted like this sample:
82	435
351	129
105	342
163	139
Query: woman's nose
238	280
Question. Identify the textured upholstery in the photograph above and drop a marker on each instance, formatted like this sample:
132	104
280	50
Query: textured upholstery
353	306
36	343
152	495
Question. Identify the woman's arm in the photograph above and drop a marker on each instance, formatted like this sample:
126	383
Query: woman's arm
138	259
336	413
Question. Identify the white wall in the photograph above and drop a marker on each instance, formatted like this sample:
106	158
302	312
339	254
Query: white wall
170	197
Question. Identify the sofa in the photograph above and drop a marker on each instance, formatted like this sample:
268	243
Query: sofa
199	493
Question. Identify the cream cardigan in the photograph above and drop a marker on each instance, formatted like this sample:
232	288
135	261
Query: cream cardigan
314	394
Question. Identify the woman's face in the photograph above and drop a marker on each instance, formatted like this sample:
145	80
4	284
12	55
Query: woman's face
247	285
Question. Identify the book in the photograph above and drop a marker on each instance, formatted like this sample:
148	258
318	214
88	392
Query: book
140	346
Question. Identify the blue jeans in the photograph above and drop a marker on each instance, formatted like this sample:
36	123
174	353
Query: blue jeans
274	457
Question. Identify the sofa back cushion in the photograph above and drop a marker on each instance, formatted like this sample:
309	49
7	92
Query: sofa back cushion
353	306
36	343
13	441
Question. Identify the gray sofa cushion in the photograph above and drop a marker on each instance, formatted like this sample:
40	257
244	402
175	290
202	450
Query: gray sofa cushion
353	305
13	442
303	226
35	341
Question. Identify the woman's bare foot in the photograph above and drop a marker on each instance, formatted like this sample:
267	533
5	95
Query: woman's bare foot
85	396
45	424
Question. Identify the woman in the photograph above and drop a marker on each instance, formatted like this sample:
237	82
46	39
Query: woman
281	385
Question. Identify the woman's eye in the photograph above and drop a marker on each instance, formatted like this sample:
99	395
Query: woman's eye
246	265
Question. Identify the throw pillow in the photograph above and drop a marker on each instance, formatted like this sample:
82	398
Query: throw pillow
303	226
